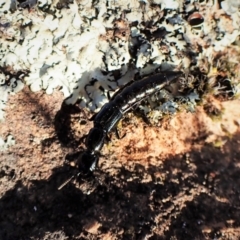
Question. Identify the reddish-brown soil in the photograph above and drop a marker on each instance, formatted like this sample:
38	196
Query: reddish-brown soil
178	180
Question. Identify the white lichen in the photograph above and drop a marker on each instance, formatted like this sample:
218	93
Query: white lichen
107	42
5	144
230	6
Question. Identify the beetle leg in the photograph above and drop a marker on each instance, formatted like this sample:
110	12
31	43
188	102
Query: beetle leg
139	113
108	139
92	117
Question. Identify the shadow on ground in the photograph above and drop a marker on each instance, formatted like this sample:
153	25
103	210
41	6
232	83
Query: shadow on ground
189	197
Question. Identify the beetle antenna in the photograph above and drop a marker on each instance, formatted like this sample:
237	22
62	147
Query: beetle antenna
69	180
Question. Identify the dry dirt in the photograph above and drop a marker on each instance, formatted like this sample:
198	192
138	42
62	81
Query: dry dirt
178	180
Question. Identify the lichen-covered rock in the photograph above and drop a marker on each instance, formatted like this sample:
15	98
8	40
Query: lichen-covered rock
87	48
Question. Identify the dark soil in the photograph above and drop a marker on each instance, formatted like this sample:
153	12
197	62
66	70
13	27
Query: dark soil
193	192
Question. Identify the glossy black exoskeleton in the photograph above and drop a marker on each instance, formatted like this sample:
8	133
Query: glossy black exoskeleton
125	99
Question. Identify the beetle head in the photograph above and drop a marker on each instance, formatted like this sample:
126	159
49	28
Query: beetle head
87	162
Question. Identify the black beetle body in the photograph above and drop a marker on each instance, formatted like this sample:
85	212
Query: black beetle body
123	100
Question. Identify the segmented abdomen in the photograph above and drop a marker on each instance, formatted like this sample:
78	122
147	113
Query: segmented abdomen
129	96
134	93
